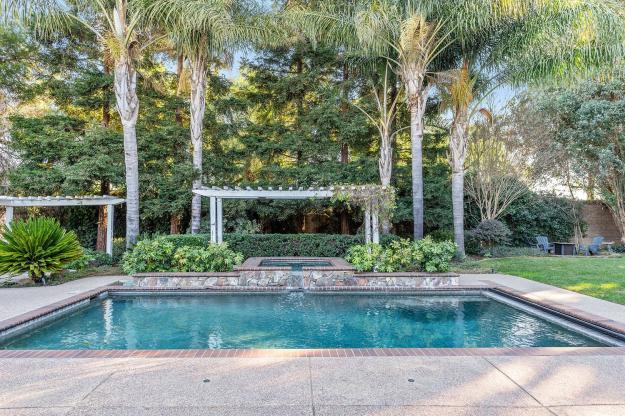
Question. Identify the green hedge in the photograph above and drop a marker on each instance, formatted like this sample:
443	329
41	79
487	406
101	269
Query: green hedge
266	245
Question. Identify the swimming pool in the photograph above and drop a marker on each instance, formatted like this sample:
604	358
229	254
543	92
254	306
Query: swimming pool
299	320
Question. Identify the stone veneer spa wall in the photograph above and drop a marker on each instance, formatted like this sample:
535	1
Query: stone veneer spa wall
316	272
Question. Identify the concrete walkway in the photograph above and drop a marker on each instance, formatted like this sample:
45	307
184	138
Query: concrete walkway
18	300
380	386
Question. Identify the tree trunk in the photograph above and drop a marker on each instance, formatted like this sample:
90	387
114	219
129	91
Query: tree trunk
102	219
104	185
344	110
457	153
128	108
416	104
179	69
106	107
344	221
174	224
385	163
198	106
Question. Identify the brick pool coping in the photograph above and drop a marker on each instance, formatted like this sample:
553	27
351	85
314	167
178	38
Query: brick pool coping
598	321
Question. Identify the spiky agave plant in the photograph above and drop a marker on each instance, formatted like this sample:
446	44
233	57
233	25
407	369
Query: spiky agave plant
37	246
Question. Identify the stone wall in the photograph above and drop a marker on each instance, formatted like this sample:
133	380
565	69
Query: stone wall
308	279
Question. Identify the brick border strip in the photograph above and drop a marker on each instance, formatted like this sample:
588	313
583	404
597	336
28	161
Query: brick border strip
319	353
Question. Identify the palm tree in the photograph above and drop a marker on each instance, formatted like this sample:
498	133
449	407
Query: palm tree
399	32
516	43
458	90
206	32
383	118
121	32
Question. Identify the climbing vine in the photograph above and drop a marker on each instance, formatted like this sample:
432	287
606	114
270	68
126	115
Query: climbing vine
377	198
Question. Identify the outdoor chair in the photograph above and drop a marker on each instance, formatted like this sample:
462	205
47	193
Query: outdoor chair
592	248
542	243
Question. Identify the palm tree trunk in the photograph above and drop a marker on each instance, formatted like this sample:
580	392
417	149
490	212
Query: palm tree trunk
128	108
104	185
416	105
198	106
385	163
457	152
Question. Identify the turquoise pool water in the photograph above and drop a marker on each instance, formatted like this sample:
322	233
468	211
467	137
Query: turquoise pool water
294	264
296	320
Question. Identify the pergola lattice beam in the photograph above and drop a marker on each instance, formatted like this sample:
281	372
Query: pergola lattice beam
217	193
11	202
58	201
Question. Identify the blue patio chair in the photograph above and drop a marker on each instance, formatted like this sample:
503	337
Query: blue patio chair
542	243
592	248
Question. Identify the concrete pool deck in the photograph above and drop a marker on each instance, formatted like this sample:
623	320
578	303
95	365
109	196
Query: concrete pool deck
491	384
375	386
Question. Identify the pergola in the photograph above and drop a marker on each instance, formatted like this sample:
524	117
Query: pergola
217	194
11	202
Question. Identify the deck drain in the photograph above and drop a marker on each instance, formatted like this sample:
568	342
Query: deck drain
411	380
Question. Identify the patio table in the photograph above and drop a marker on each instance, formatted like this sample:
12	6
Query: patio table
564	249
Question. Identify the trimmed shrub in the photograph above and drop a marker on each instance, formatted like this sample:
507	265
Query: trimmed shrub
434	257
90	258
37	246
149	255
119	248
287	245
491	233
160	254
404	255
367	258
314	245
213	258
507	251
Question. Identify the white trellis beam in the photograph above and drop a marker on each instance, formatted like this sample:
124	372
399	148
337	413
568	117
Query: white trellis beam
218	194
11	202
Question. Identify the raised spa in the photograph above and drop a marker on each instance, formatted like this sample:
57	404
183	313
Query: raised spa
299	320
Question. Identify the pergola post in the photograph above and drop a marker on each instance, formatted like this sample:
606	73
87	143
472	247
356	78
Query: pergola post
367	224
375	227
213	219
220	221
8	215
110	218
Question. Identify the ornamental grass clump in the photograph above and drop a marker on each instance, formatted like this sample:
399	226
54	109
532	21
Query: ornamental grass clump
37	246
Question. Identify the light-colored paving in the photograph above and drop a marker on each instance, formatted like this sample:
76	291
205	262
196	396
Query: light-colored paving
376	386
542	292
18	300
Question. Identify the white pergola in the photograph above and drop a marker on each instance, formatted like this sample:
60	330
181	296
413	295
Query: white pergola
217	194
11	202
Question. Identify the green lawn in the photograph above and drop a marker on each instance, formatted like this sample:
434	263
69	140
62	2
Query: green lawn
603	278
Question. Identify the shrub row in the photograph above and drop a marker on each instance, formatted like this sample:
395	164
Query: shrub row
161	255
403	255
287	245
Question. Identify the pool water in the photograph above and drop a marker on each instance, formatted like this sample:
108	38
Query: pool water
296	320
294	264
